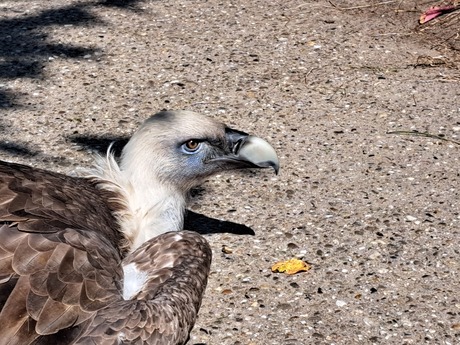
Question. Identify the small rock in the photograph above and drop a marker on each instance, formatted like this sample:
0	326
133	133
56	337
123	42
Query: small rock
411	218
284	306
226	250
340	303
374	255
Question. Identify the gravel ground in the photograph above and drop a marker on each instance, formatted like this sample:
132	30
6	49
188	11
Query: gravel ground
375	212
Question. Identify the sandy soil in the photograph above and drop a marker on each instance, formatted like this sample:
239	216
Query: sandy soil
376	214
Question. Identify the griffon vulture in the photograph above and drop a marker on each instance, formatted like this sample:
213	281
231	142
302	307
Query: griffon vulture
102	259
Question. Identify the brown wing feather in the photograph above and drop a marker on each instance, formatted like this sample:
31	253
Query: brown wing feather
44	201
60	268
55	286
52	276
165	310
62	292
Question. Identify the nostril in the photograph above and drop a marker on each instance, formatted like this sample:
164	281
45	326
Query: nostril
237	146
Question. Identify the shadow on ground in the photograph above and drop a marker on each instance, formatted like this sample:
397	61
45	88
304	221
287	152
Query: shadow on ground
25	49
25	46
100	144
206	225
16	149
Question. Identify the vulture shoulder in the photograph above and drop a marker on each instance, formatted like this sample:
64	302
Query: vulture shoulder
43	201
65	280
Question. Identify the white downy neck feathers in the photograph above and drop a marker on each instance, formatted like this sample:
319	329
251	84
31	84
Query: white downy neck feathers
150	207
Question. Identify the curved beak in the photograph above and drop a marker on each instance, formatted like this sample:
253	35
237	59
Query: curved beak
257	151
248	151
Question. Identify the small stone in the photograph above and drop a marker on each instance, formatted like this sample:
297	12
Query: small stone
226	249
340	303
284	306
411	218
374	255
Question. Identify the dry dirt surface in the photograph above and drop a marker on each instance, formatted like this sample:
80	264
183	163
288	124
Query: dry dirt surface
361	103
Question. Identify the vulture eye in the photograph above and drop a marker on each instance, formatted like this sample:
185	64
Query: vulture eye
191	145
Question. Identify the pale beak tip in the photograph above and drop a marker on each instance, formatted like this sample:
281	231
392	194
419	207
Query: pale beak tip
259	152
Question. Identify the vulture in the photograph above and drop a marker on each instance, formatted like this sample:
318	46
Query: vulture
103	258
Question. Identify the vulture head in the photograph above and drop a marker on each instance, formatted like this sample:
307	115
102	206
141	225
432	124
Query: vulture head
172	152
182	149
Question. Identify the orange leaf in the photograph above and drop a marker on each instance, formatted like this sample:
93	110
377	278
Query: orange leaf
292	266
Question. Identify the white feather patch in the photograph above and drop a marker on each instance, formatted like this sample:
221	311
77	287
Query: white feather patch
133	280
178	236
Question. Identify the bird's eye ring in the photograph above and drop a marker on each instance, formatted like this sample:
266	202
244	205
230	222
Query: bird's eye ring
191	145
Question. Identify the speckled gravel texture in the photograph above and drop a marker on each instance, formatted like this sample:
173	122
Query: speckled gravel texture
376	214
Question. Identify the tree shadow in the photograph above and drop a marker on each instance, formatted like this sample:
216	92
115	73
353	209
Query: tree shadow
7	98
125	4
24	43
16	149
25	46
100	144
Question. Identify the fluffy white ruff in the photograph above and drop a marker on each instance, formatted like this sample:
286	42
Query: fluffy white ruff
149	208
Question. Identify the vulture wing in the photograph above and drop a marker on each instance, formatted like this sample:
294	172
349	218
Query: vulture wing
52	284
42	201
177	266
62	270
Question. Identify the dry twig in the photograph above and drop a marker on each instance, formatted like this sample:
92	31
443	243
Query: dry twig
424	134
359	7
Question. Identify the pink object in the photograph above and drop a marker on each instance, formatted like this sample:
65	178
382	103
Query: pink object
436	11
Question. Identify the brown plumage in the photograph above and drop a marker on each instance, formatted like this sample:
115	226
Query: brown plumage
72	271
58	272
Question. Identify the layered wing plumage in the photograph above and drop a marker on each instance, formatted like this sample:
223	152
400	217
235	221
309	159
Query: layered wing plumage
165	311
44	201
61	268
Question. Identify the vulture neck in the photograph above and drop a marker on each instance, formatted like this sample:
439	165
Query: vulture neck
149	207
154	209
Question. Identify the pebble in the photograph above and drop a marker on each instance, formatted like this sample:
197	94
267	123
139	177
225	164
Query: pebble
374	255
411	218
340	303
